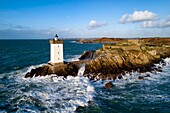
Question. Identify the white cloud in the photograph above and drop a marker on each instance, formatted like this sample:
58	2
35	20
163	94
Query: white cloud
94	24
137	16
15	27
156	24
53	30
21	32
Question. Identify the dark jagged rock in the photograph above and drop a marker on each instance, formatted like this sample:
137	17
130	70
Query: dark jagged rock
72	69
108	85
87	55
148	75
40	71
28	75
142	77
58	69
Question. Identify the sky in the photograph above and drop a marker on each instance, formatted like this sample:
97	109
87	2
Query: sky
42	19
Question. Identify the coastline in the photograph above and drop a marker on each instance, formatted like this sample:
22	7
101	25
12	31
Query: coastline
112	61
56	89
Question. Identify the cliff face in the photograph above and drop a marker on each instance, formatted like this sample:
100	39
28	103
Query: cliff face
109	64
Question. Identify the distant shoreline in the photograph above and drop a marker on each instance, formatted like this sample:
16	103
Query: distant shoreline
84	38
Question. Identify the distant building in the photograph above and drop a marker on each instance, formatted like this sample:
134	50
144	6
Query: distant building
56	50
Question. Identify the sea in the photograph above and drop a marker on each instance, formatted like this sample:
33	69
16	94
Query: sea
52	94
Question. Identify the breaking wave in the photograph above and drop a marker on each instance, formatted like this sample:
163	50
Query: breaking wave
49	93
72	58
131	94
59	95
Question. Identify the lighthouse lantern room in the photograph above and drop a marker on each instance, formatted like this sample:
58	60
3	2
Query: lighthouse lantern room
56	50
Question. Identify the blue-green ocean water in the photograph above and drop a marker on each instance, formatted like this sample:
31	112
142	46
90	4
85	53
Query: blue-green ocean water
53	94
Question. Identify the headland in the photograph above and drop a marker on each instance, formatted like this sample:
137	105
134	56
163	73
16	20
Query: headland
113	60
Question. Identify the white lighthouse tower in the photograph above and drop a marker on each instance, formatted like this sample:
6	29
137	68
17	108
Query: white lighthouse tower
56	50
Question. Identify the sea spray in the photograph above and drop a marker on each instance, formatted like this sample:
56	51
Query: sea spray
53	94
72	58
131	94
50	93
81	70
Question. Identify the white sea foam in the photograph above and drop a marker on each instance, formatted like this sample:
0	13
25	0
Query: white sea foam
73	58
74	41
131	90
167	60
133	77
81	70
52	92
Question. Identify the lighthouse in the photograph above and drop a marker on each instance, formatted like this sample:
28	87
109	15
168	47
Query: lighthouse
56	50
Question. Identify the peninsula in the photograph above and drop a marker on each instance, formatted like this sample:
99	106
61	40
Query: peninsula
116	57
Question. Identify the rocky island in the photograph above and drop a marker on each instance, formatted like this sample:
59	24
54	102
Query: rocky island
101	40
116	57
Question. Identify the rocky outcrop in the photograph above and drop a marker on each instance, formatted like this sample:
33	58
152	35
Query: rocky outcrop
108	85
40	71
84	41
62	69
101	40
59	69
87	55
109	63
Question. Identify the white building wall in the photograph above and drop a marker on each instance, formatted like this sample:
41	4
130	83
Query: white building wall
56	53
